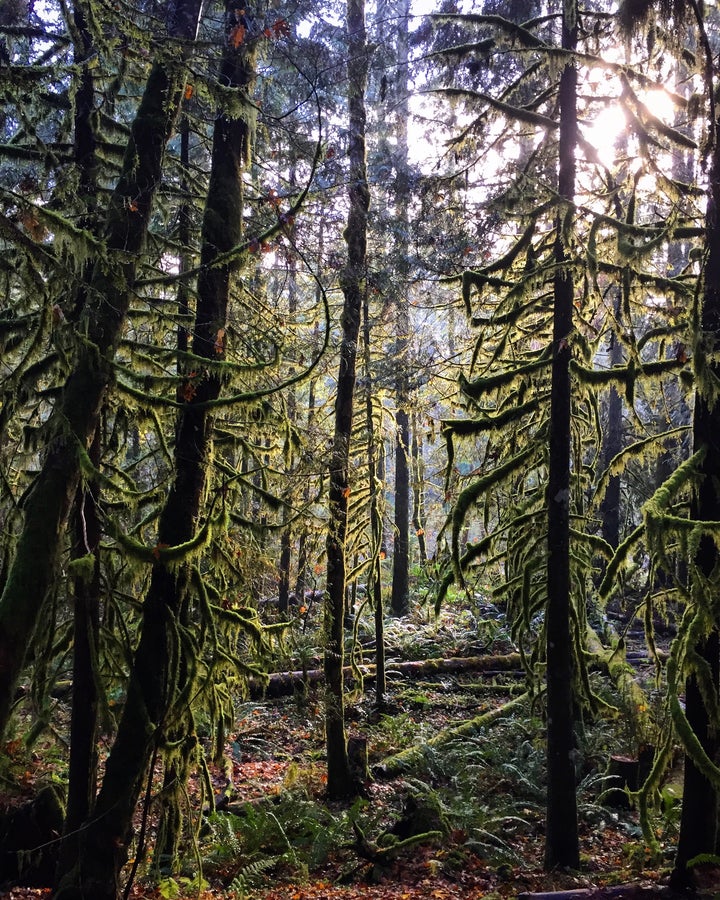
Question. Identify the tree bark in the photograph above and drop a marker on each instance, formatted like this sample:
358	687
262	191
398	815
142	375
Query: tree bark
75	418
699	818
400	594
340	781
612	445
82	768
155	713
418	487
562	841
374	586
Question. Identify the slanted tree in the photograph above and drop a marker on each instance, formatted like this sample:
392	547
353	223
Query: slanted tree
156	712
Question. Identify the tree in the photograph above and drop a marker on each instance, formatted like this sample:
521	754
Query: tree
163	676
538	363
75	417
562	843
353	284
400	598
695	654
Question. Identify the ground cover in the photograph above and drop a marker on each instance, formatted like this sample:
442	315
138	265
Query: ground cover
465	821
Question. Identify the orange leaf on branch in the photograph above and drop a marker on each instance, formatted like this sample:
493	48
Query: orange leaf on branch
220	341
281	28
237	36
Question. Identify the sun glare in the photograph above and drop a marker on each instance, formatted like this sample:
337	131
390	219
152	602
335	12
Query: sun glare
605	131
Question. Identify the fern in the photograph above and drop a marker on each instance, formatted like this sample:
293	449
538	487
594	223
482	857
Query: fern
251	876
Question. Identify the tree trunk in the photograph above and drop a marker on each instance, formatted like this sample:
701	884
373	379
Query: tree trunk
699	821
154	713
75	418
340	782
418	488
612	445
82	770
561	843
374	586
400	595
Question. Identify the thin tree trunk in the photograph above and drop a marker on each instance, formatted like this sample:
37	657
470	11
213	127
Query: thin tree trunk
376	519
561	842
75	418
340	781
418	487
612	445
400	595
151	717
82	769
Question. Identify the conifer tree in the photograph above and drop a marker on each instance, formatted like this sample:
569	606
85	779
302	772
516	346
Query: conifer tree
353	283
561	842
75	417
532	402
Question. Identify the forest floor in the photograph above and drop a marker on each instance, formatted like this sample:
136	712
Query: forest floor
478	800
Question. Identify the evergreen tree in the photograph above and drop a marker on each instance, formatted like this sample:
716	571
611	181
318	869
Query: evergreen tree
75	417
353	282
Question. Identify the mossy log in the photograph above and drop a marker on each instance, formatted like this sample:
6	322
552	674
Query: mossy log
282	683
402	762
625	680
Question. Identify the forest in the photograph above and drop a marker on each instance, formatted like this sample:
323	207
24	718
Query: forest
359	449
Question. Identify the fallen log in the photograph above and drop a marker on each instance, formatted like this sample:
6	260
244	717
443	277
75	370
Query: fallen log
614	892
622	673
406	759
280	684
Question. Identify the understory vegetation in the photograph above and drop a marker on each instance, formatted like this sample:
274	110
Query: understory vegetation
464	813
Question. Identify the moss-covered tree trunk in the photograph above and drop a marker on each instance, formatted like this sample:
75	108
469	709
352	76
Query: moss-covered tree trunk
612	445
700	809
374	448
340	781
400	595
561	842
418	486
155	713
82	769
74	421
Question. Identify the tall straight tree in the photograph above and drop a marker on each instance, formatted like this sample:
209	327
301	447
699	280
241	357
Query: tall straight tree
399	598
353	284
108	290
561	842
82	768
